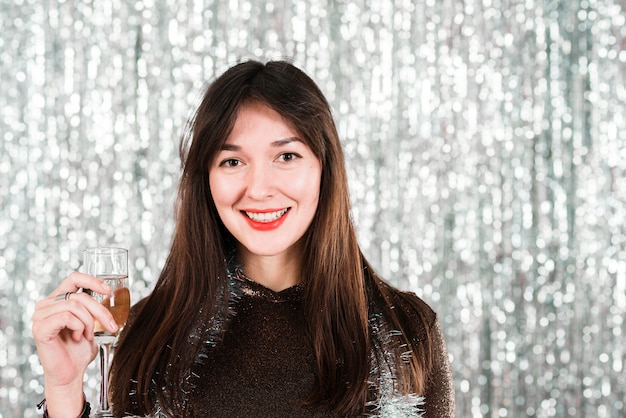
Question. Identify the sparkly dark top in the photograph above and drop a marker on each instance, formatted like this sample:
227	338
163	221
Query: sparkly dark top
265	364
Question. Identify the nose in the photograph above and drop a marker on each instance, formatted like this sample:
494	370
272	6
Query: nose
261	182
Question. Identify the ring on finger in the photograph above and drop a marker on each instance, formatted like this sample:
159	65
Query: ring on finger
63	296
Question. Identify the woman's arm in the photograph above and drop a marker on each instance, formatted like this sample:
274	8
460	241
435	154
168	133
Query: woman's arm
439	394
63	328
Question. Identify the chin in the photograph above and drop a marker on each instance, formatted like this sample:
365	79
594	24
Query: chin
268	250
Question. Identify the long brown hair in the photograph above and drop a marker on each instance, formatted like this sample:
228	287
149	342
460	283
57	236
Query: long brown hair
156	351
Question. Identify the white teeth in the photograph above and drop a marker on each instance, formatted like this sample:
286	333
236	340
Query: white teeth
266	217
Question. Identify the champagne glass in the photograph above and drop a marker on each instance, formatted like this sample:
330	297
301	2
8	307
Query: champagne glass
111	266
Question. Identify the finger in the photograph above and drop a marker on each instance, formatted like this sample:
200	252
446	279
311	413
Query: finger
52	317
77	335
77	280
96	311
52	326
81	306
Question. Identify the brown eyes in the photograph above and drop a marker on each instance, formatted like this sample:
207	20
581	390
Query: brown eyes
289	156
230	162
285	157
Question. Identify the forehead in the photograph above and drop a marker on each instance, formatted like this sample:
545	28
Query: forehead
256	116
258	125
257	122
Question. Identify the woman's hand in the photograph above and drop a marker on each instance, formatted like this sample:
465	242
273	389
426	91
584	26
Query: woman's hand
63	328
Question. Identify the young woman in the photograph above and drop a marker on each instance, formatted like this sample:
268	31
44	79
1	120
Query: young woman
266	305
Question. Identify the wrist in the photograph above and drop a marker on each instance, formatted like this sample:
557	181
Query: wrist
64	401
84	412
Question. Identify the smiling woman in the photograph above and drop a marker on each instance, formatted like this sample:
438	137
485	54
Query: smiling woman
266	305
265	184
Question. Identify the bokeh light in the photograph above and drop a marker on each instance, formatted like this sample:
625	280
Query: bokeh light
485	143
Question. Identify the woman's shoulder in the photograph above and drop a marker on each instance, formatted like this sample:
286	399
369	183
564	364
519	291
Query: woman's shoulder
413	305
414	313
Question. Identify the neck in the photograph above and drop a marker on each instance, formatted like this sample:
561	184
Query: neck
276	272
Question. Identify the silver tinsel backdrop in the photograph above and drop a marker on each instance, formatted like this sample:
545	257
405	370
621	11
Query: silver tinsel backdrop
486	150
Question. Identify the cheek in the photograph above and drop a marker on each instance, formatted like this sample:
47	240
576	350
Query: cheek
307	184
219	191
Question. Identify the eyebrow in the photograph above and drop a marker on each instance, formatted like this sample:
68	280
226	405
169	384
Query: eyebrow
285	141
277	143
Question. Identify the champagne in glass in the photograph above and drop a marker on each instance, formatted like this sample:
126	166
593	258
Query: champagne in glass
111	266
117	302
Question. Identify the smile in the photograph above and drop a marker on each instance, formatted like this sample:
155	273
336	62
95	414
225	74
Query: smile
266	217
266	221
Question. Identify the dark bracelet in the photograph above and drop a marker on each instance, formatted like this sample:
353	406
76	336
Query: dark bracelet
84	414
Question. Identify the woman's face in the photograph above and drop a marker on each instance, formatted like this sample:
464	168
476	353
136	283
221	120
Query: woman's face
265	182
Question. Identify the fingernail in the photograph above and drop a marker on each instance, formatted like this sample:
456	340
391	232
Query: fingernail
113	324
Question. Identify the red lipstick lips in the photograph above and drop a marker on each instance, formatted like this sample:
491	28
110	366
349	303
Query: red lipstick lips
266	220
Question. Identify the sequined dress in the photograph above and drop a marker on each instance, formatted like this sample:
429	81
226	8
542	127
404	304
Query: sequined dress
264	364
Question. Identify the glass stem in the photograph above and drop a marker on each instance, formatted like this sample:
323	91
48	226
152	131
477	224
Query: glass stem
105	354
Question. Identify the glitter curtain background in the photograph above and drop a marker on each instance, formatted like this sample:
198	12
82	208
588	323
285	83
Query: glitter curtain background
486	151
